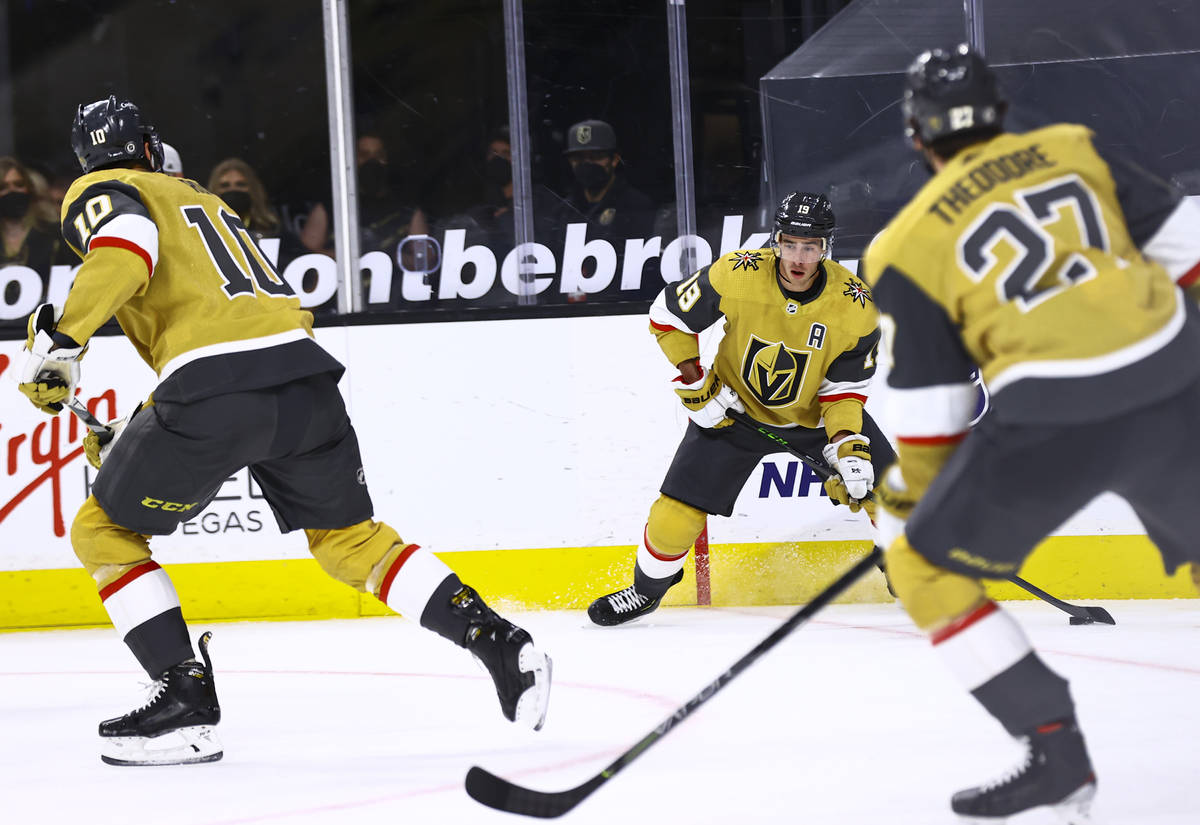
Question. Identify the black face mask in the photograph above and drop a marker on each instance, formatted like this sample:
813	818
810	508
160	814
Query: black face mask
14	205
372	179
591	176
497	171
238	200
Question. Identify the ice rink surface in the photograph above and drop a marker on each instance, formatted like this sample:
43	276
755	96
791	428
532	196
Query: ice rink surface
851	720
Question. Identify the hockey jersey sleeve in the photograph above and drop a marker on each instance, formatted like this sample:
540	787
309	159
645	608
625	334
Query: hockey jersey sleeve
843	390
1163	223
931	396
682	311
107	225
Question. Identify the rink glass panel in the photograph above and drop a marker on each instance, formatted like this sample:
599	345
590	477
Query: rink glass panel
783	95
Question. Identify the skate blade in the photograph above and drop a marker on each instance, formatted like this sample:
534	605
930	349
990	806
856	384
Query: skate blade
532	706
186	746
1073	810
1076	809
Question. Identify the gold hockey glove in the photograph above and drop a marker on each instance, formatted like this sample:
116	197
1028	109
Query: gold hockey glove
97	446
835	488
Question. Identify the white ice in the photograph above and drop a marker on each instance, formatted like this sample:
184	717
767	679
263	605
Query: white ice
851	720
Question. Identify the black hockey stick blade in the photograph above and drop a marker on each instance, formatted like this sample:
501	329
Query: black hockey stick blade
488	789
1080	614
491	790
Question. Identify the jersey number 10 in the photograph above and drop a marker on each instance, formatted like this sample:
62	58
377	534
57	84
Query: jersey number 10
237	280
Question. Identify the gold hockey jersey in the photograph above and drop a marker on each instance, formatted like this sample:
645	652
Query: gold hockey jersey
1043	263
190	288
793	358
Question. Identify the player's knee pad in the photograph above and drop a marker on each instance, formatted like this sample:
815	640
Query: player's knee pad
350	554
106	549
932	595
673	526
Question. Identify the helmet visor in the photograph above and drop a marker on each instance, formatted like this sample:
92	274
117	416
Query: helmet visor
801	250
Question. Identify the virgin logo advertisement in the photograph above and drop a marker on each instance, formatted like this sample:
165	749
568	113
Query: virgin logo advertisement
39	457
46	476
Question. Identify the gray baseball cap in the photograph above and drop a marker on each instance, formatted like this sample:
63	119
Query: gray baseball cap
591	136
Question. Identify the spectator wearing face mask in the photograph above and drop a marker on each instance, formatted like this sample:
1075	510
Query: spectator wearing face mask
490	223
235	182
601	197
383	219
31	237
613	209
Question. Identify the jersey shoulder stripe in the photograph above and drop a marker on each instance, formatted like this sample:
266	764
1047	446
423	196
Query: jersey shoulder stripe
108	208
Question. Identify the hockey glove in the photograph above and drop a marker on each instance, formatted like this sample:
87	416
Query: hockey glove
850	457
51	371
835	488
707	399
896	503
96	446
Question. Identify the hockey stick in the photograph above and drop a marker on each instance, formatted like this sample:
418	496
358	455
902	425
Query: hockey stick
1080	614
491	790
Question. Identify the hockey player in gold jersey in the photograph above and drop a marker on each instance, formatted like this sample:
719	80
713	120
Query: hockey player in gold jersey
242	382
797	357
1058	271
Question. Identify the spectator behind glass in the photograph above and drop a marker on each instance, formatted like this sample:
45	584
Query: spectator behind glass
612	208
382	220
30	232
491	223
172	163
235	182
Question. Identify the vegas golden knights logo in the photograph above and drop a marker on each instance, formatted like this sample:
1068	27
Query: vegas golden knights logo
772	372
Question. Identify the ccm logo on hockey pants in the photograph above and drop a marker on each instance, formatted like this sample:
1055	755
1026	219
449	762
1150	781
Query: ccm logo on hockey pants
170	506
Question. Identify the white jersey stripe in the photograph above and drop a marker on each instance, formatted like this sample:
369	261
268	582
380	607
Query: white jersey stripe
928	412
1176	244
137	230
663	317
843	387
227	347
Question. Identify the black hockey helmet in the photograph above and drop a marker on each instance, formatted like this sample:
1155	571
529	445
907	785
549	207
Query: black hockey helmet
805	215
950	93
111	131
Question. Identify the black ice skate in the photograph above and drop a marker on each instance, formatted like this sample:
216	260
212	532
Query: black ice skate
627	605
519	670
1056	772
175	726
